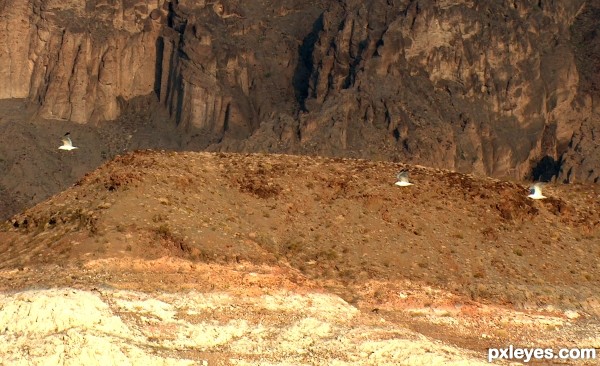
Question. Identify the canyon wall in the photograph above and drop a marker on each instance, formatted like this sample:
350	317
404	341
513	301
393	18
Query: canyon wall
77	59
503	89
474	86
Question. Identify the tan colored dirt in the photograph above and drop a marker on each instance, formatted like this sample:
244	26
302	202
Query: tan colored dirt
165	258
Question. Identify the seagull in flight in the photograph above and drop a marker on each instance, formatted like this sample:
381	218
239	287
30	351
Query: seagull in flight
67	143
403	179
535	191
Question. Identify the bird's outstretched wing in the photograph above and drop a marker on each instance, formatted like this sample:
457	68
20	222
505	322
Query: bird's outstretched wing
66	140
402	175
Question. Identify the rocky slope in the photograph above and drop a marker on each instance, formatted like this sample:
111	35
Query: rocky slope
507	90
275	259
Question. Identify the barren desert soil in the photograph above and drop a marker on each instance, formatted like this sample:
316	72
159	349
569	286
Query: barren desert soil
229	259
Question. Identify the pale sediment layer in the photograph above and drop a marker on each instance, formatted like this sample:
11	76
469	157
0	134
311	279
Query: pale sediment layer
66	326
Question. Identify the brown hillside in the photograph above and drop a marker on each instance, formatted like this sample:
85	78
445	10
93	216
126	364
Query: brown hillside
451	241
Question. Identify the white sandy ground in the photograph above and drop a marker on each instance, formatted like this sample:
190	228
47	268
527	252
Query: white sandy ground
116	327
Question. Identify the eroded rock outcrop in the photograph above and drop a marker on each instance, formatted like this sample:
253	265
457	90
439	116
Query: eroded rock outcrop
228	66
78	58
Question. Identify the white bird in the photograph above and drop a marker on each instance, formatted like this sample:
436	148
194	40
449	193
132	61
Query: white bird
403	179
535	191
67	143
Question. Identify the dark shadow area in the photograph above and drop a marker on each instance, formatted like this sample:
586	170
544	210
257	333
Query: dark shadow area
166	96
546	169
349	81
160	46
174	21
396	134
304	68
180	91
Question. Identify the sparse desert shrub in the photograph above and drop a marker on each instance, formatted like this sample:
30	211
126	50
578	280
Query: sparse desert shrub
183	183
158	218
441	277
516	208
259	187
328	254
558	207
267	243
379	295
87	220
172	240
347	274
118	180
164	231
293	246
489	233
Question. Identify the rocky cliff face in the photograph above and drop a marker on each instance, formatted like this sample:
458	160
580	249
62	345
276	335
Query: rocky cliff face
503	89
77	59
228	66
473	86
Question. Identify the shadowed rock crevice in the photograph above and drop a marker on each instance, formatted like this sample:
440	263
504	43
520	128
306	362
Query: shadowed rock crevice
304	68
546	169
160	49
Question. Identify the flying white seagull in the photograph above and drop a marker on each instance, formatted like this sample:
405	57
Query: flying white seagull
403	179
535	191
67	143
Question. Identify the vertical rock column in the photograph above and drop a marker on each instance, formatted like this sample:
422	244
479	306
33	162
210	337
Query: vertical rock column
15	36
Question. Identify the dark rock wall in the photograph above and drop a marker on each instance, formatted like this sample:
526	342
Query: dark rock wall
507	89
488	87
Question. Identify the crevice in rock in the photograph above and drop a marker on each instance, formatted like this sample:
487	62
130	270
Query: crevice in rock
180	92
546	169
304	68
226	120
158	68
354	65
